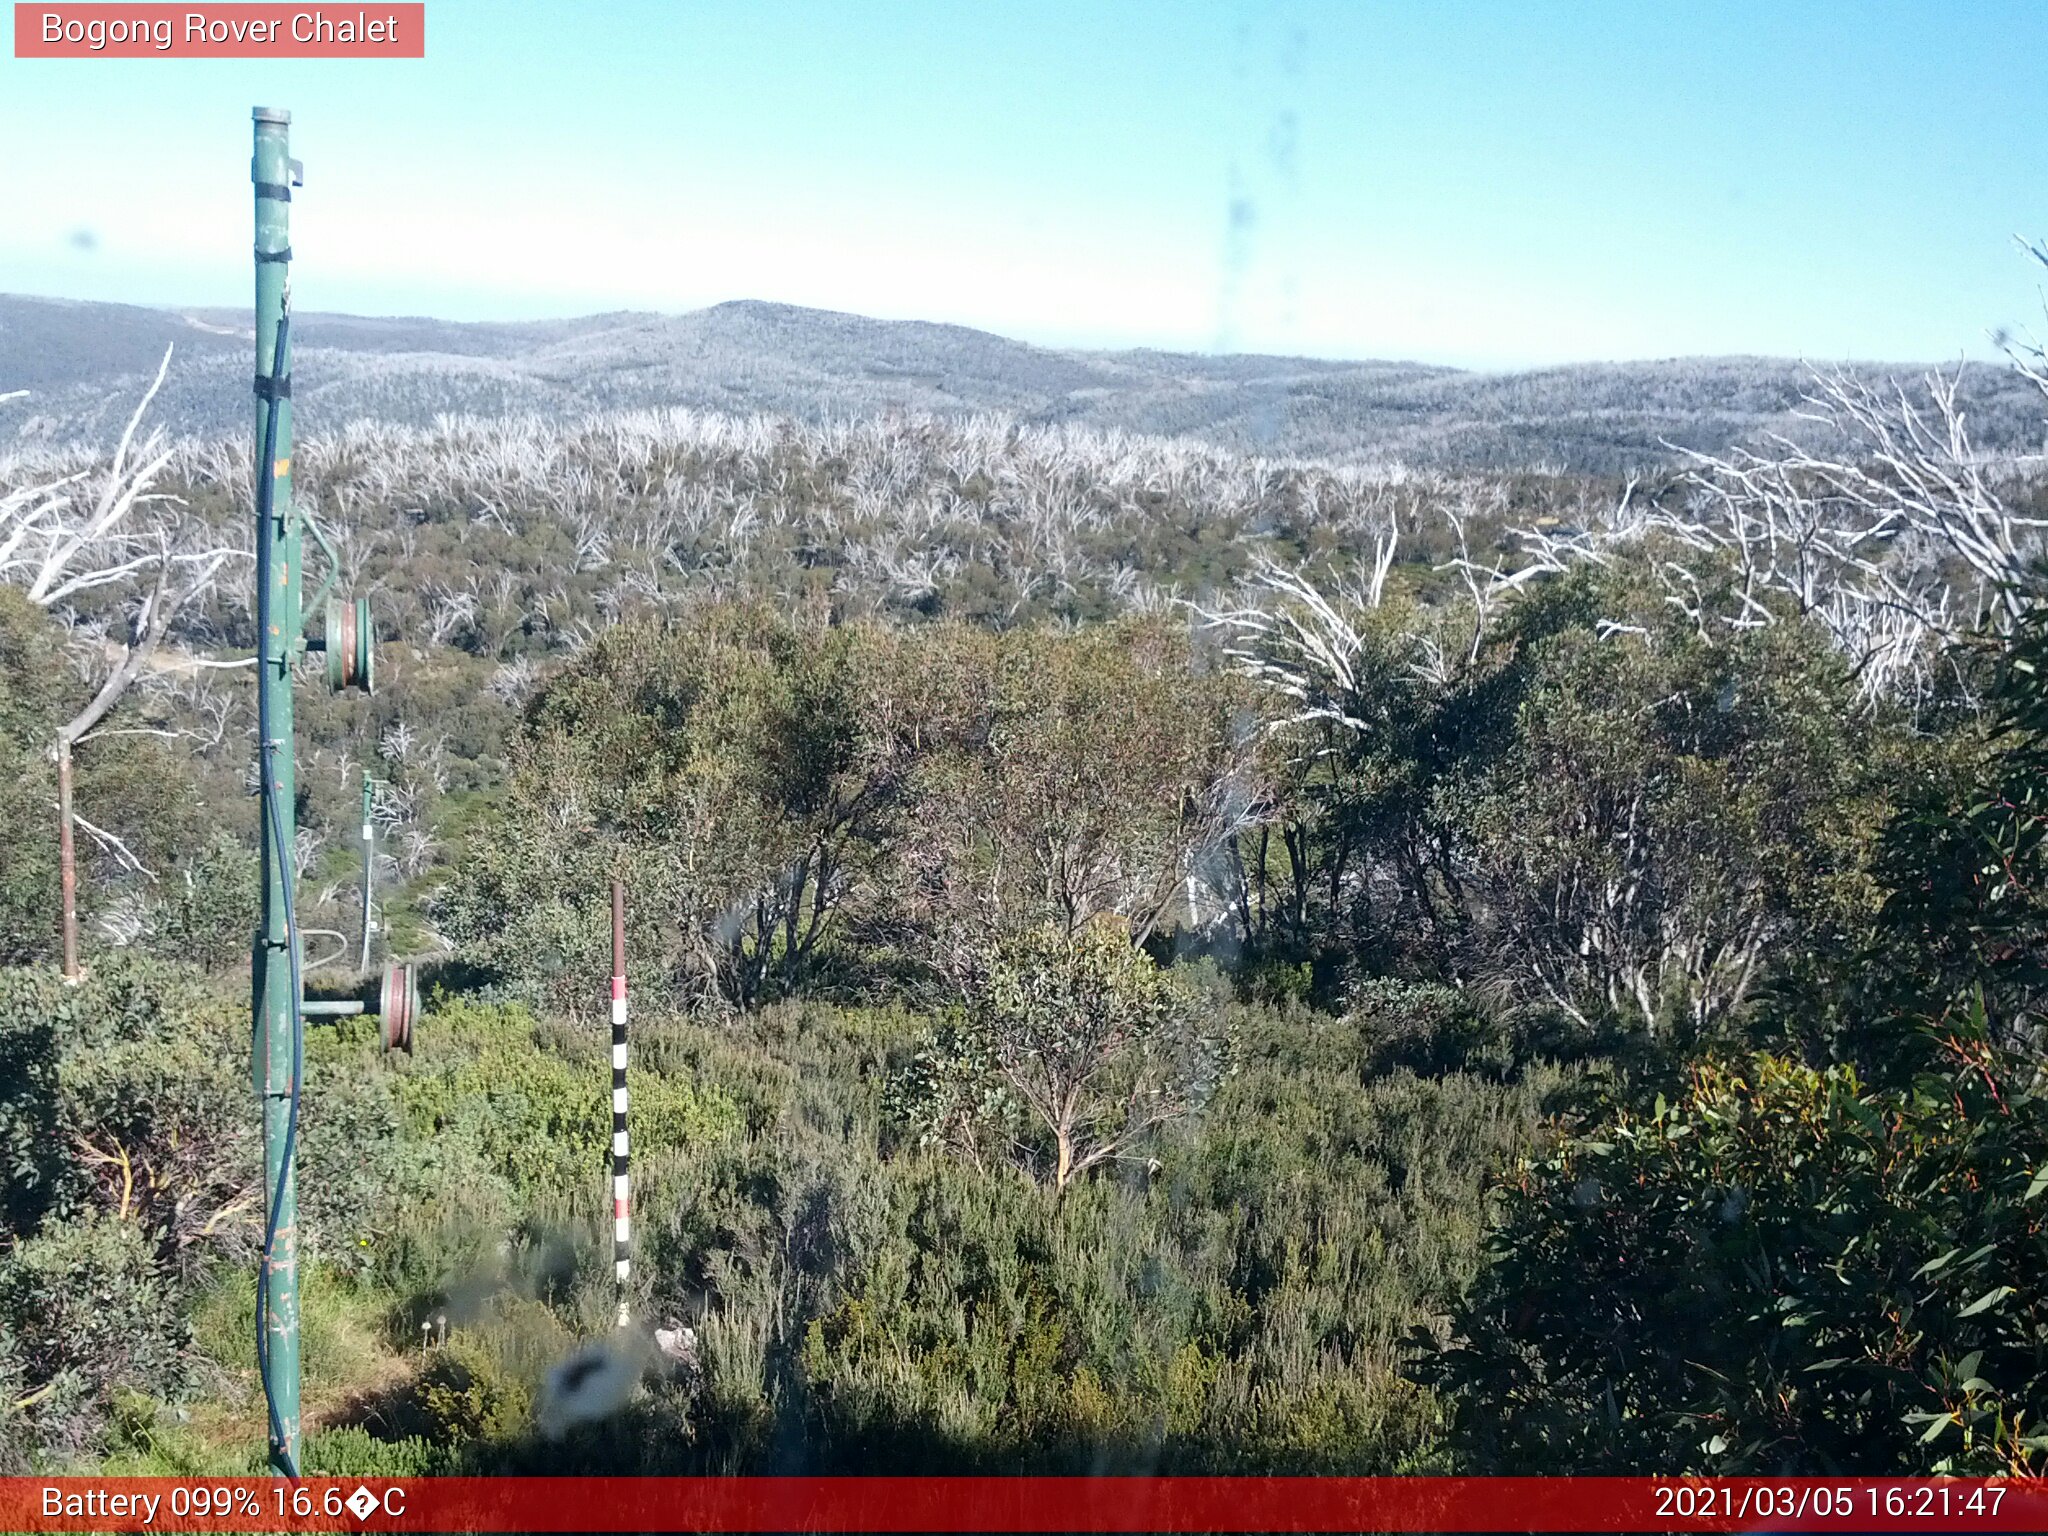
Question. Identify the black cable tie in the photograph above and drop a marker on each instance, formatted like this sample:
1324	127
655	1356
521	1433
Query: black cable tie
276	191
283	255
273	388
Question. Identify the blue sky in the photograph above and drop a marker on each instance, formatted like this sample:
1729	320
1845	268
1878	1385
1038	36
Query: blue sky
1490	184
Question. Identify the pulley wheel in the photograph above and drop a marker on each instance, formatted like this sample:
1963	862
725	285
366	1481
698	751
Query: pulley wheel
398	1005
351	655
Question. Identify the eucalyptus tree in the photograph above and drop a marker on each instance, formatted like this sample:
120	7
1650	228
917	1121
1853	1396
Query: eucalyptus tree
1062	777
1072	1047
727	765
117	561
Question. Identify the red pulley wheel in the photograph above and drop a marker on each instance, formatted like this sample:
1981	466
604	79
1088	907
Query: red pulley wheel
350	645
398	1007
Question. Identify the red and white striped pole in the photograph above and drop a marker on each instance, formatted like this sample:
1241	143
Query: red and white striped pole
622	1200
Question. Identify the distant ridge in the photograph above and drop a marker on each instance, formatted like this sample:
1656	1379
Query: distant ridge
84	363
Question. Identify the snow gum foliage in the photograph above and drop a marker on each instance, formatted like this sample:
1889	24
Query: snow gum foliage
1781	1268
1816	1254
800	802
1079	1037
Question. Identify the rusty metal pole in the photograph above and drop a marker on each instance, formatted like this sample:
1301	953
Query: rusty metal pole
622	1200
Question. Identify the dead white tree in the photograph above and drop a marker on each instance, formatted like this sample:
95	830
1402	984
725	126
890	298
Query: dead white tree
1896	545
96	541
1901	539
1491	587
1291	637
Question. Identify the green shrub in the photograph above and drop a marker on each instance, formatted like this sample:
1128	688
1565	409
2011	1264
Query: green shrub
1428	1029
35	688
539	1120
35	1172
214	906
1780	1272
127	1075
1237	1306
88	1312
351	1451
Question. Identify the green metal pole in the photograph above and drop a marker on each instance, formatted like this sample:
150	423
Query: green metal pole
277	1018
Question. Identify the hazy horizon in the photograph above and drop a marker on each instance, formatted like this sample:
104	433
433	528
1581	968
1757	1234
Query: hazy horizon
1464	185
186	310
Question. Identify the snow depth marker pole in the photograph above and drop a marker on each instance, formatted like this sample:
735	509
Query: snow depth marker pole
622	1201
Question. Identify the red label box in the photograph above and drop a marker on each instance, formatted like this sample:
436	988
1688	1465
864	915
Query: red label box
1848	1506
375	30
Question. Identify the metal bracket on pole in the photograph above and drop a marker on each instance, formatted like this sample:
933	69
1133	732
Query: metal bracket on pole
319	597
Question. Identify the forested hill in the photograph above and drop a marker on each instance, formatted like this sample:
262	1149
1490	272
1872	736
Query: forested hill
83	364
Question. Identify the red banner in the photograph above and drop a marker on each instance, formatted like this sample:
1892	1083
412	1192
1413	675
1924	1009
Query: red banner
977	1504
118	31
